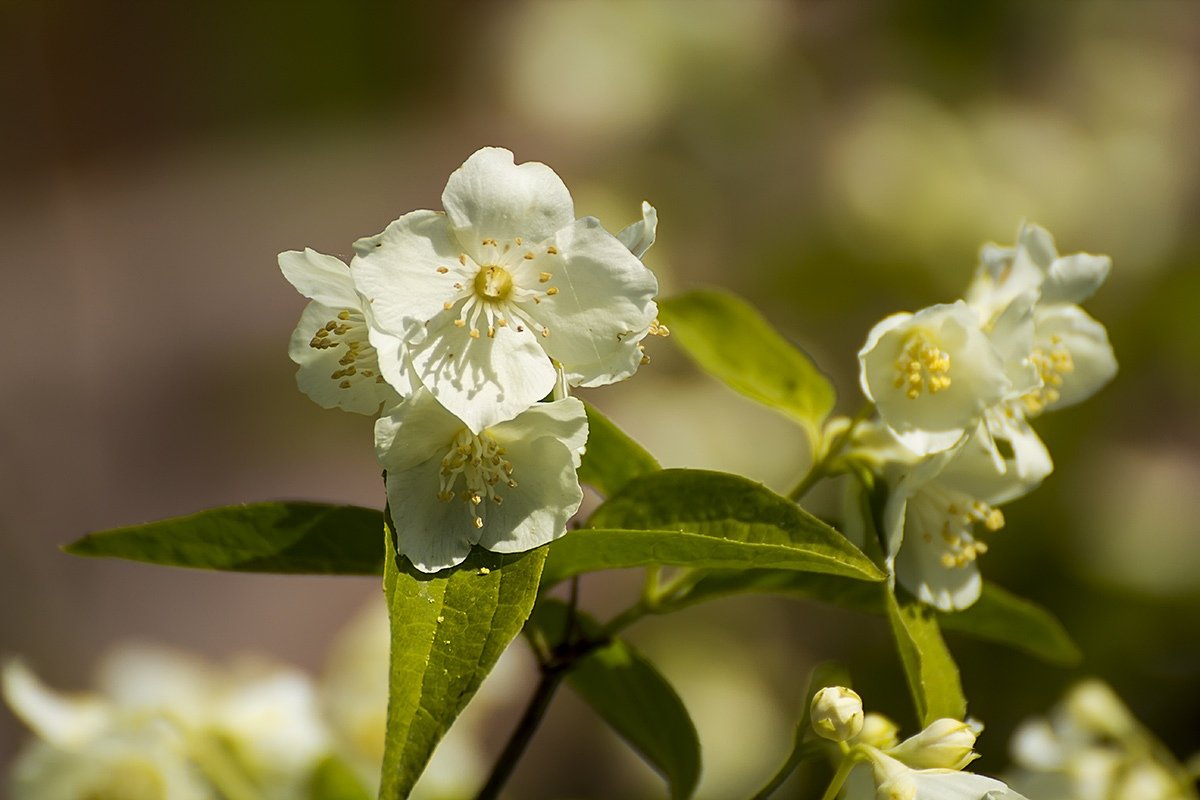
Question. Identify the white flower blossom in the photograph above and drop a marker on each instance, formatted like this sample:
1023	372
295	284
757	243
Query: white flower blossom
345	361
158	721
487	295
932	375
1090	747
1033	266
932	521
510	487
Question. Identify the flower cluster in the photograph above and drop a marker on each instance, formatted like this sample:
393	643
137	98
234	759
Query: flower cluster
875	764
164	725
1091	748
955	387
455	325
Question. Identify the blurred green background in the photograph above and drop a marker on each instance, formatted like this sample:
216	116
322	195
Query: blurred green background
832	161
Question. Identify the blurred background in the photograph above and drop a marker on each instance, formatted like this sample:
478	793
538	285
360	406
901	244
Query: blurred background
831	161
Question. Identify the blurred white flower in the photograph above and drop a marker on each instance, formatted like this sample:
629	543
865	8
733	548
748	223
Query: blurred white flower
168	720
345	360
488	293
1090	747
510	487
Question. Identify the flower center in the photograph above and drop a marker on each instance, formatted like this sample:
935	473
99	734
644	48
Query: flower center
958	516
922	366
479	461
360	359
494	284
1052	364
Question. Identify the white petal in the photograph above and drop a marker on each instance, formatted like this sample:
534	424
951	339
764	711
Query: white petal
1005	273
399	275
491	197
565	420
980	470
920	570
602	309
61	719
433	534
547	494
157	679
485	380
639	236
1012	336
413	432
953	785
1086	340
321	375
1074	278
318	277
394	364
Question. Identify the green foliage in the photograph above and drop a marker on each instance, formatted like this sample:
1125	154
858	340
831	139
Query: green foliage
1001	616
334	780
612	458
626	690
447	631
731	341
298	538
998	616
931	672
698	518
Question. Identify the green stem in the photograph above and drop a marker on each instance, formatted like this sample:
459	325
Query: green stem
552	676
819	469
800	751
839	777
222	771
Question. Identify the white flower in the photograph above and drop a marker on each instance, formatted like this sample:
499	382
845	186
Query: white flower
943	744
932	374
487	293
162	720
1033	266
510	487
837	713
929	525
91	747
1092	748
896	781
345	361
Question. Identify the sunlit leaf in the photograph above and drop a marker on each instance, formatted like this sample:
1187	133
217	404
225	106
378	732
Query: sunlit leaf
306	538
730	340
612	458
698	518
447	631
931	672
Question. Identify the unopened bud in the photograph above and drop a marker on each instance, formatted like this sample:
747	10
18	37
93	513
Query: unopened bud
944	744
837	713
1097	709
878	731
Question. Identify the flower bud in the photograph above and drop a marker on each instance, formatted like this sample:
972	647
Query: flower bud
837	713
1097	709
878	731
944	744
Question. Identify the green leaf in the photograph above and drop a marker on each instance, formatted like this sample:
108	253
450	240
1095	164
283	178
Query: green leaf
305	538
931	672
612	458
697	518
731	341
628	693
998	616
334	780
1001	616
447	630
